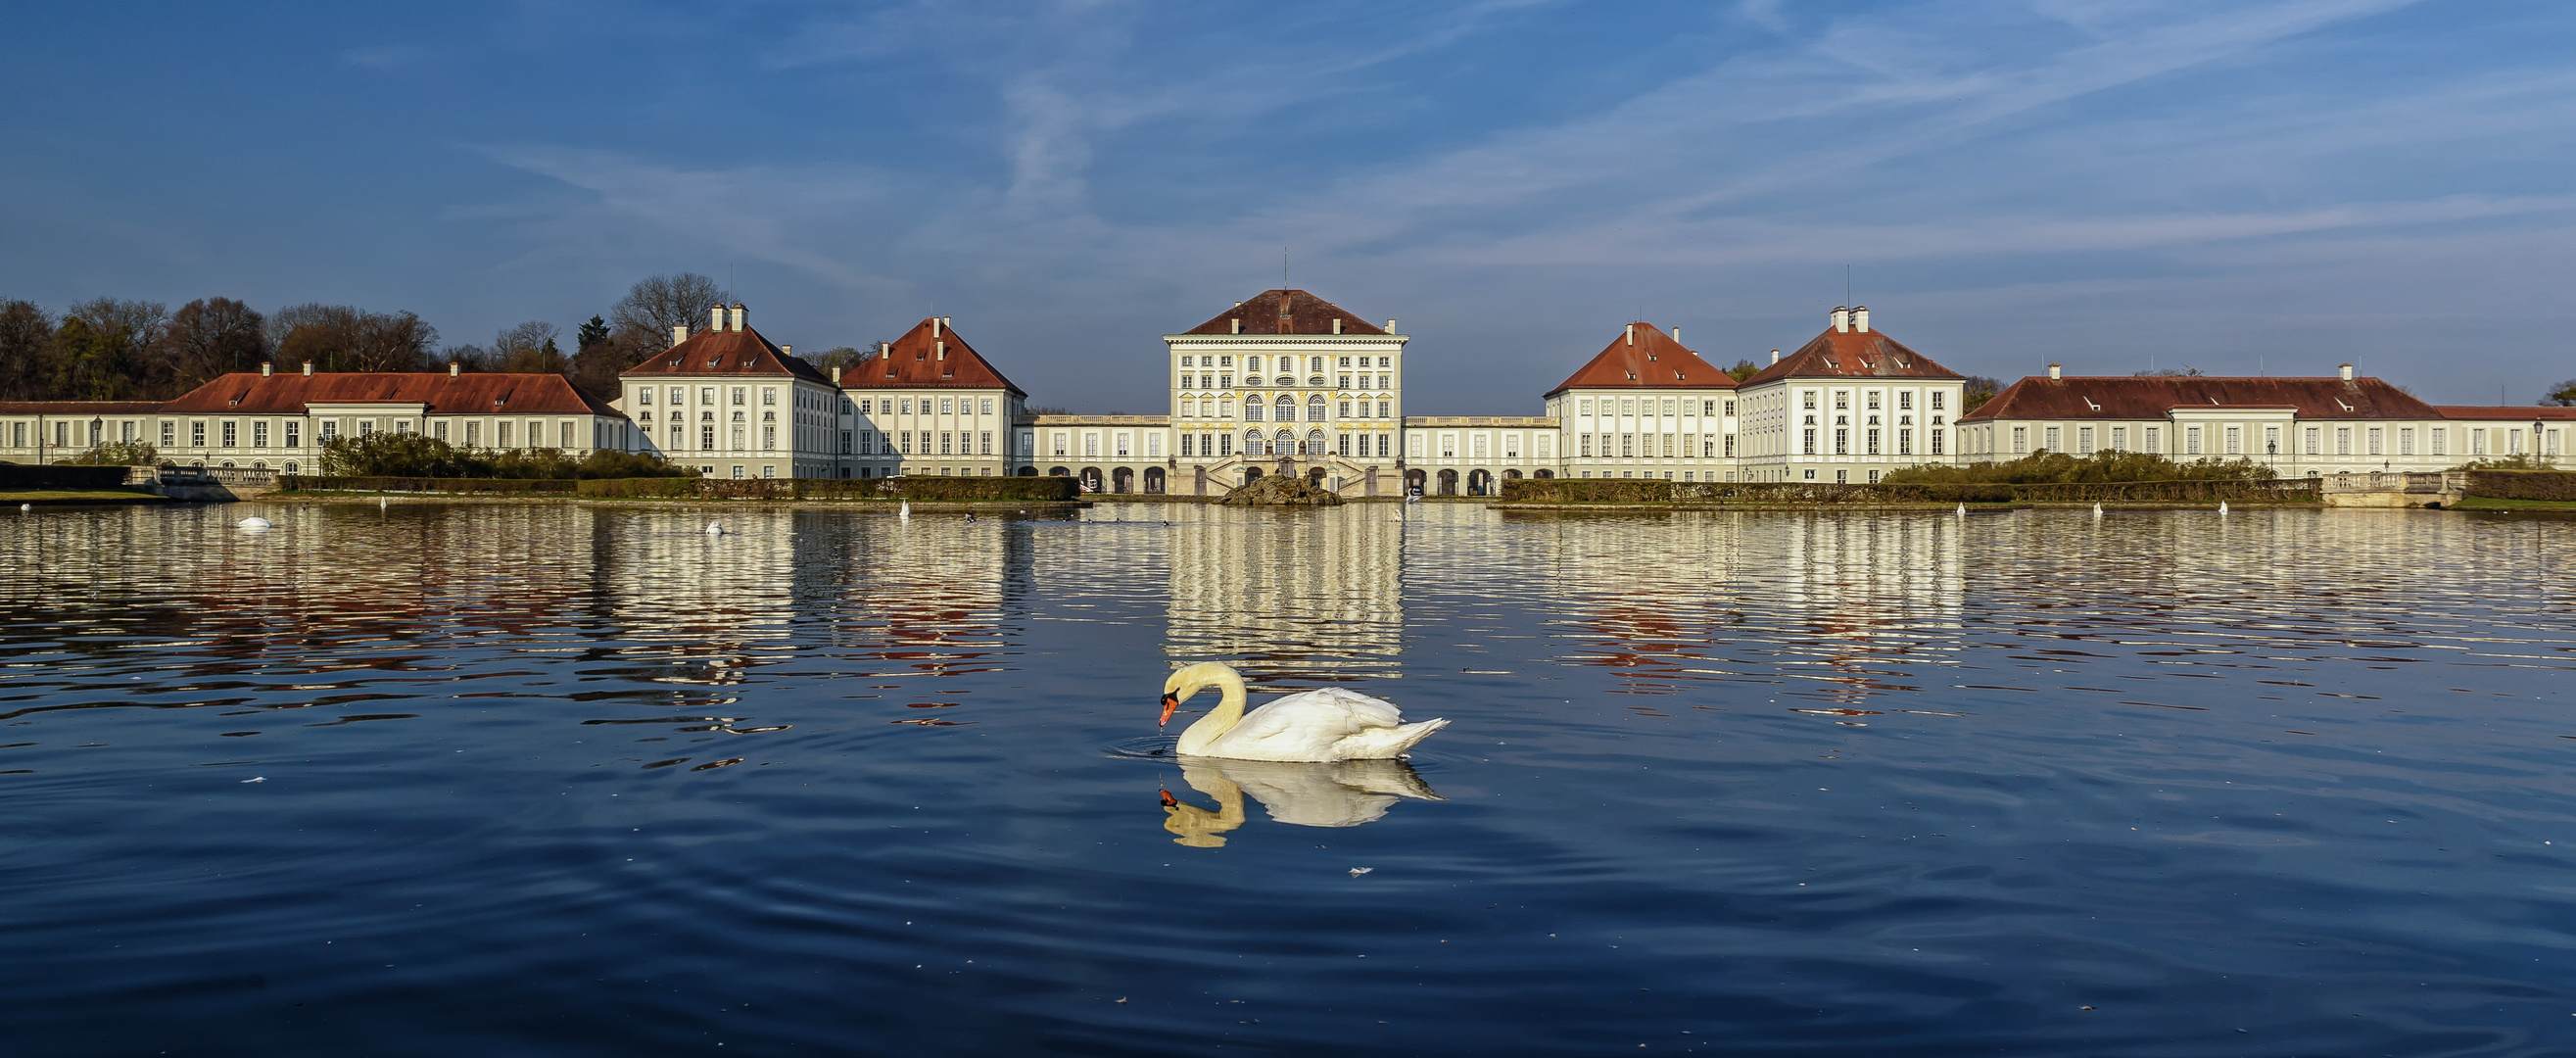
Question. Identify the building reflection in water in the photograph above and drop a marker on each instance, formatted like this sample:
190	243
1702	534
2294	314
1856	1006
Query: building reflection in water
1314	594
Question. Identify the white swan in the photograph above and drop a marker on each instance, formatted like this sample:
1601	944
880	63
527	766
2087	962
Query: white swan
2097	510
1963	510
2222	506
253	523
1330	724
26	506
906	512
715	528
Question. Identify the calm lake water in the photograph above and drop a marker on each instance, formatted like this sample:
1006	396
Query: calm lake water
526	779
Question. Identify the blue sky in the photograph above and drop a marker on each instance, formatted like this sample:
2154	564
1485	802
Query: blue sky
2240	186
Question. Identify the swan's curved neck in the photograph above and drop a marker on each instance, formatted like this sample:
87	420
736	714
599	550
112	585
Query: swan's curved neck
1228	712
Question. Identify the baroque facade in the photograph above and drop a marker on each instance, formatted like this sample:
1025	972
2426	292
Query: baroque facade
1288	383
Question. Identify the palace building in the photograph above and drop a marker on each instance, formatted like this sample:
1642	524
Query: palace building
1286	382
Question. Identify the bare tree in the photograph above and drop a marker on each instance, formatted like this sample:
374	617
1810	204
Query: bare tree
469	357
26	351
206	338
654	306
530	347
342	338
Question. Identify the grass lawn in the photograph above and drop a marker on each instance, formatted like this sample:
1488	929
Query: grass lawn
14	497
2490	503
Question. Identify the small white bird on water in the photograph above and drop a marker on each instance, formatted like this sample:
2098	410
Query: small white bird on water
715	528
1963	510
253	523
1329	724
2222	506
26	506
906	512
2097	510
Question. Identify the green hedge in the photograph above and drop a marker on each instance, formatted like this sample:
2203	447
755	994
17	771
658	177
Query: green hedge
468	486
1586	490
1022	490
1624	490
2523	484
15	476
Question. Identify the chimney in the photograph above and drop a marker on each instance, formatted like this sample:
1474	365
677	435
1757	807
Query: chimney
264	367
454	368
1238	323
943	350
2053	372
1842	319
1390	326
1775	356
715	318
308	369
836	376
1860	318
787	349
1337	325
679	333
1677	336
1631	332
737	317
934	326
2347	372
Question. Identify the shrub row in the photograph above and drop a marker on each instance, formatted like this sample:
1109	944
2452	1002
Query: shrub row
18	476
1622	490
500	486
2523	484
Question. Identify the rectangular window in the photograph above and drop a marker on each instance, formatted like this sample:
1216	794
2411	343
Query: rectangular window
2437	439
1189	444
1811	441
1730	446
947	406
196	435
259	435
330	431
2119	438
2314	446
741	395
1905	442
1225	442
1586	445
169	434
232	434
1936	399
292	429
2235	440
2271	440
1810	397
706	437
1936	440
2021	440
1873	400
985	443
1627	445
769	438
1871	441
1091	446
1382	407
769	394
643	394
2373	438
2052	440
1730	407
2343	440
904	442
2406	441
501	434
1905	400
1842	441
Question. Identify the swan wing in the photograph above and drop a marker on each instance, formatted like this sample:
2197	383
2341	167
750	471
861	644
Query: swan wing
1329	724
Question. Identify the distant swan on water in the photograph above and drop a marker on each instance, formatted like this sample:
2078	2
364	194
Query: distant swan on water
1963	510
906	512
26	506
253	523
1329	724
2222	506
2097	510
715	528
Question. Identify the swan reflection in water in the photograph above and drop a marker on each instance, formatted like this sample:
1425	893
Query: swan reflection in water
1342	793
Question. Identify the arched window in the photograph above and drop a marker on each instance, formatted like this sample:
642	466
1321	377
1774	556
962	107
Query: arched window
1314	443
1252	408
1315	408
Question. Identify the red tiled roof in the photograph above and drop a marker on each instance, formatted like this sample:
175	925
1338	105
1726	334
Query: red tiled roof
2505	411
1653	361
1286	312
1853	354
920	359
742	352
471	393
2128	397
78	407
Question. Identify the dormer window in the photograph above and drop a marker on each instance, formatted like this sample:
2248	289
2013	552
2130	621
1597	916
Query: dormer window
714	360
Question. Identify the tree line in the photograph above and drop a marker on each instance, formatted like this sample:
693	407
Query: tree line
108	349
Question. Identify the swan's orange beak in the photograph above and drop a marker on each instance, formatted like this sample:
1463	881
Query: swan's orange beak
1170	801
1169	704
